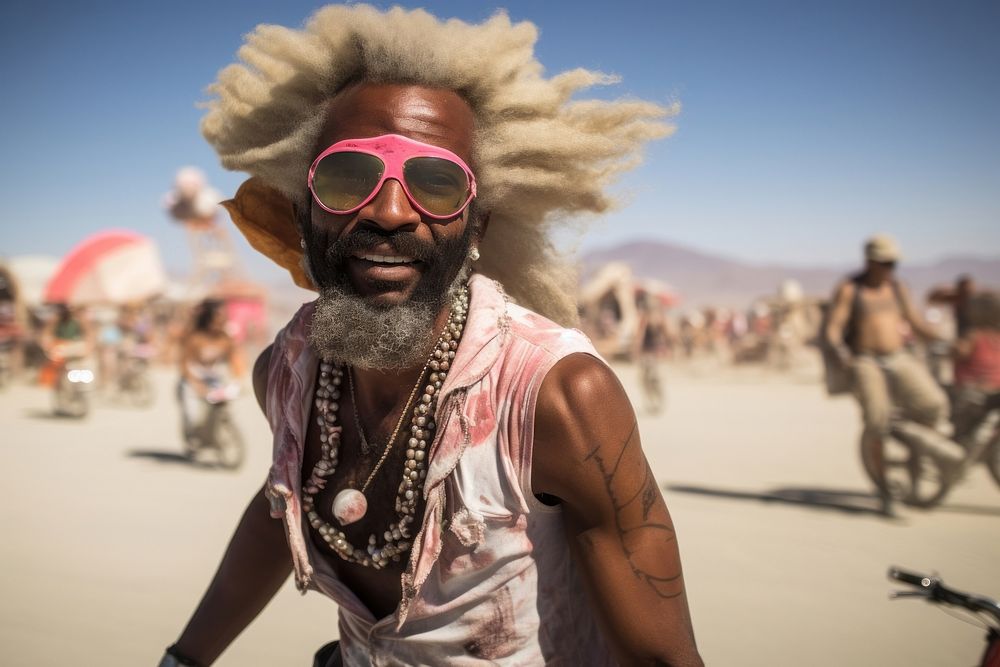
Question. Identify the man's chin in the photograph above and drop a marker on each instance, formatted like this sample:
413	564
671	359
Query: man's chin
384	331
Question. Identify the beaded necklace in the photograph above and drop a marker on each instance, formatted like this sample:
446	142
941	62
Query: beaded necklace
349	505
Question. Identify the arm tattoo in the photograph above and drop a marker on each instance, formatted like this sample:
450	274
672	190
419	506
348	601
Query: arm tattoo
647	494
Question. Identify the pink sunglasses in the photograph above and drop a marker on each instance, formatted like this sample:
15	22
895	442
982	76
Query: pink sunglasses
349	174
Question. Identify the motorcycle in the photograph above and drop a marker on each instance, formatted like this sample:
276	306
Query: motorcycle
74	381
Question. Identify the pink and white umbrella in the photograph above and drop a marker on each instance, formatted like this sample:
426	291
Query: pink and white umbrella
108	267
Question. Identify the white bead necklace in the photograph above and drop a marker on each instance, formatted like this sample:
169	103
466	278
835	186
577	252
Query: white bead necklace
349	505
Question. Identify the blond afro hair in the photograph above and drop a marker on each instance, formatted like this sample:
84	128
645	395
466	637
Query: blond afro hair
540	156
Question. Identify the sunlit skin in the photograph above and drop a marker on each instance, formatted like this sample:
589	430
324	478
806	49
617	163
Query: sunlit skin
433	116
587	453
207	347
880	329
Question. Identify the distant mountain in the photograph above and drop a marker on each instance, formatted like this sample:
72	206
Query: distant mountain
702	278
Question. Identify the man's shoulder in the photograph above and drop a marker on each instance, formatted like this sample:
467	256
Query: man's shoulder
851	281
519	323
536	329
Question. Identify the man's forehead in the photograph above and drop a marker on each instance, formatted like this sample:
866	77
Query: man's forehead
433	115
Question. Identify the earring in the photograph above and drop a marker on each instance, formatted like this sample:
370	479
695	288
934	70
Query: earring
474	253
302	243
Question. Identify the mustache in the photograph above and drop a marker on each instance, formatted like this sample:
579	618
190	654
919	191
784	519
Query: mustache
403	243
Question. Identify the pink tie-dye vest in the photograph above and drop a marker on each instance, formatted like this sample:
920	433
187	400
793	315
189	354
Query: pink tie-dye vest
490	576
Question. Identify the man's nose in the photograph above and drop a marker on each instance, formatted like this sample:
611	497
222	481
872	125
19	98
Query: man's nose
390	209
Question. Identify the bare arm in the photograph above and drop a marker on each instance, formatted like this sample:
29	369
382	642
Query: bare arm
256	564
48	337
840	313
913	316
236	366
640	334
943	295
587	453
188	347
962	348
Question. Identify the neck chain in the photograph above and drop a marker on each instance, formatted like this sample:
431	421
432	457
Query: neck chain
350	505
366	447
347	498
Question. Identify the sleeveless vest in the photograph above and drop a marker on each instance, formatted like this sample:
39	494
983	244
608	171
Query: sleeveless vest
490	576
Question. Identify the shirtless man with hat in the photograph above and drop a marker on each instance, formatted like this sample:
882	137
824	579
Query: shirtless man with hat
870	317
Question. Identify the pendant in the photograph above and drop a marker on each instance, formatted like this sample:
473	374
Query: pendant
349	505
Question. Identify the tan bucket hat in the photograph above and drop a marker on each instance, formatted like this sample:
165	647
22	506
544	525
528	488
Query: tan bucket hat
882	248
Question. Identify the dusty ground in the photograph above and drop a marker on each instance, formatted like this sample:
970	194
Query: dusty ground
110	538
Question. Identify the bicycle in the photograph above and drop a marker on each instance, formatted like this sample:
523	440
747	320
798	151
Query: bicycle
922	466
217	433
932	589
133	381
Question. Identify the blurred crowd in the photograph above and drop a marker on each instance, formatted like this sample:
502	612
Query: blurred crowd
619	316
776	331
119	340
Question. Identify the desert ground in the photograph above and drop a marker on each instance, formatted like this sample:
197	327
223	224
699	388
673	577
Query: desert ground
110	536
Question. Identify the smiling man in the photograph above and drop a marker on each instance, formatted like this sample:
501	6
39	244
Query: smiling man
458	472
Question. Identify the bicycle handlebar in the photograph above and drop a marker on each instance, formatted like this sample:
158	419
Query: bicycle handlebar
907	577
935	591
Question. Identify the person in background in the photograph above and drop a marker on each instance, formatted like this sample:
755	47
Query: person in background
977	365
958	297
651	340
10	328
67	336
109	346
870	315
138	332
209	359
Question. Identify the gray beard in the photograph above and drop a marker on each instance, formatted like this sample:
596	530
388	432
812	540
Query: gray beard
347	328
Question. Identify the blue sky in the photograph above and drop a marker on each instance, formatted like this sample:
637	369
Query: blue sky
805	125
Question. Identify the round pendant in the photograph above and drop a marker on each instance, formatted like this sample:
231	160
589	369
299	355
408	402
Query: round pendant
349	505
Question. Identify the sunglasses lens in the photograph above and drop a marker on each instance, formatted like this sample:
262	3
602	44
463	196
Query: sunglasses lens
342	181
439	185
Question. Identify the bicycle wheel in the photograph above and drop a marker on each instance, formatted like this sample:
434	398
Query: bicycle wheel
192	444
140	390
228	442
993	459
68	402
913	476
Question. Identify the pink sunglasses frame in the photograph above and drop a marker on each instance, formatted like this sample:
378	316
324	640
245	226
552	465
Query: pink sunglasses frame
393	150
